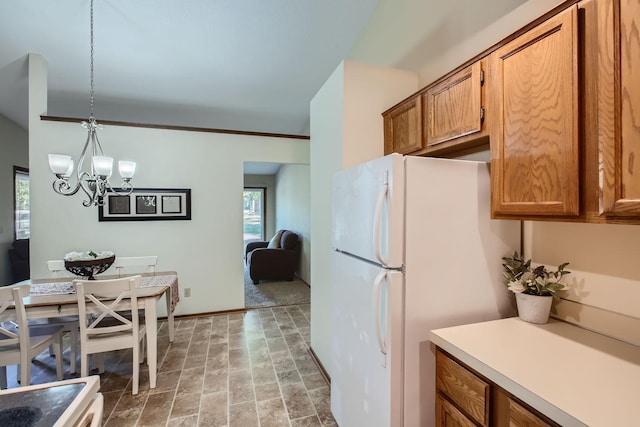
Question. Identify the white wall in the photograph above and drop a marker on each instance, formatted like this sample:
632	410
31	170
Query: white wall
400	33
292	210
346	129
204	251
14	151
326	125
268	182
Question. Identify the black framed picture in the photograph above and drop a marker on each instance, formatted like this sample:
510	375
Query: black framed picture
120	205
146	204
171	204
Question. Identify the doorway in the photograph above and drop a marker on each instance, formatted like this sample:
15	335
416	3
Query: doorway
253	214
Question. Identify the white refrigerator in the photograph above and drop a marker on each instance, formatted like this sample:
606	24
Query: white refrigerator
415	249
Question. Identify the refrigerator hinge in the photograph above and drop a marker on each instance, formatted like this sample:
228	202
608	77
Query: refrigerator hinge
385	178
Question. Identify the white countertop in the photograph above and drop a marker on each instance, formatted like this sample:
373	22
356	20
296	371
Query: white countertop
573	376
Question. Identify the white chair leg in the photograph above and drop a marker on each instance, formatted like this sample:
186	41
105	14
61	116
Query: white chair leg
58	352
25	373
73	349
84	363
136	369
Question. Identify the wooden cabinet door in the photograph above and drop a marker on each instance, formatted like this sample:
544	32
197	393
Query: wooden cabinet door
448	415
403	127
620	137
454	106
534	145
519	416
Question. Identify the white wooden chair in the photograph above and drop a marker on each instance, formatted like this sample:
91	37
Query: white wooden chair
141	264
106	329
69	323
20	345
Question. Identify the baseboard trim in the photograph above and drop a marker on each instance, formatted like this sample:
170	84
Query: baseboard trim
208	313
318	363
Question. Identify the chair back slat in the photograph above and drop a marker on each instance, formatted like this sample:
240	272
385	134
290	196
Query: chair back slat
99	300
144	263
14	330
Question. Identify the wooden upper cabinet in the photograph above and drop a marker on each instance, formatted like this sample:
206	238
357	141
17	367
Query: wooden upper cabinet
403	127
454	106
534	139
619	107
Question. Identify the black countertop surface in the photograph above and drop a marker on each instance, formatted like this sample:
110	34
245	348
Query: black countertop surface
35	408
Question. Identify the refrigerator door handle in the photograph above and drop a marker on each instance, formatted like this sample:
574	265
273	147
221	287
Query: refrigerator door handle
377	224
382	344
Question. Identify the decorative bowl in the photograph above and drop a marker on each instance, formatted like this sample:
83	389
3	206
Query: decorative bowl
90	267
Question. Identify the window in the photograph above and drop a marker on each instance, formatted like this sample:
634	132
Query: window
253	210
21	205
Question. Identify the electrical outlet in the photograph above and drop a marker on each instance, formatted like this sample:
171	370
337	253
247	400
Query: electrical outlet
187	292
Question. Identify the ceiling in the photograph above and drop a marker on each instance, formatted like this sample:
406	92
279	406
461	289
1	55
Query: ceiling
250	65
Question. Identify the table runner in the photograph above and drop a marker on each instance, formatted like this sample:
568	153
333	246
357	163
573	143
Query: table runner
66	287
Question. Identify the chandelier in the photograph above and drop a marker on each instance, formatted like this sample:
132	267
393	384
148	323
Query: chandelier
92	177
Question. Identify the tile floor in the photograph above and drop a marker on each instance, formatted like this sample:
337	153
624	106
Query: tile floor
240	369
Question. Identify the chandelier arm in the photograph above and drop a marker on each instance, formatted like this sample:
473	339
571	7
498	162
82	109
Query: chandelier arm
96	140
88	185
61	186
79	170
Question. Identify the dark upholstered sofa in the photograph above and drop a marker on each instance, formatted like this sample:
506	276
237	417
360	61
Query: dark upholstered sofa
19	260
277	259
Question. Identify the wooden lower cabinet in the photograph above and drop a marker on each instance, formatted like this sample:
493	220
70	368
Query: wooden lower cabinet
465	398
447	415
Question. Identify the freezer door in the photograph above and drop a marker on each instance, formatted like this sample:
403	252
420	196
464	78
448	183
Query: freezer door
366	352
368	211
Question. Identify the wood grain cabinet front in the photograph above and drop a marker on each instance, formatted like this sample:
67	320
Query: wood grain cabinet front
403	127
454	107
465	389
534	142
447	415
464	398
616	59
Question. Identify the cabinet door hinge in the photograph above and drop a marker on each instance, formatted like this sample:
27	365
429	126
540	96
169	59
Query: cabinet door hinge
481	114
481	77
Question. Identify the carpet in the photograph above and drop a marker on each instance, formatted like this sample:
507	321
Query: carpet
271	293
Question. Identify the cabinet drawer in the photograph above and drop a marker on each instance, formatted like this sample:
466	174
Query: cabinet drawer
464	388
448	415
519	416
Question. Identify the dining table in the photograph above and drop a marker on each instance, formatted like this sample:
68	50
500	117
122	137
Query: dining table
55	297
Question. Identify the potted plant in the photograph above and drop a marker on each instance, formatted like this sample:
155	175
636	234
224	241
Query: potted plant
534	287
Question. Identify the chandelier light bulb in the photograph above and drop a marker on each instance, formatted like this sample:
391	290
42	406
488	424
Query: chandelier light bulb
60	164
127	169
103	165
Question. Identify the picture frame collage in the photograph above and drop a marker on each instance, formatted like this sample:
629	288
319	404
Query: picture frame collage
146	204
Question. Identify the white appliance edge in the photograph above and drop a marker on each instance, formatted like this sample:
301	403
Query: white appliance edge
437	229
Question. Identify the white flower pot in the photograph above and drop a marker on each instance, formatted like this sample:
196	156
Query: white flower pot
533	308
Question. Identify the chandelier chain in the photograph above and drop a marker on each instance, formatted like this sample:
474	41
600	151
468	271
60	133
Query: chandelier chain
91	68
91	177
